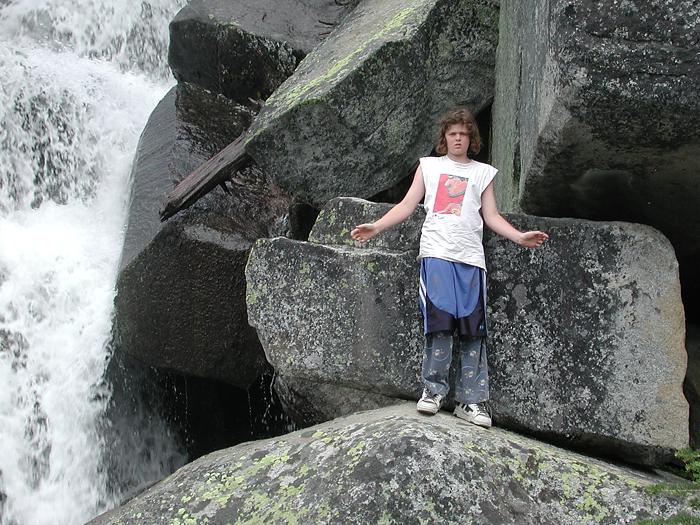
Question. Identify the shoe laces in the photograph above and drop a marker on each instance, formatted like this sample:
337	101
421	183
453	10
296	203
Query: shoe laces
478	408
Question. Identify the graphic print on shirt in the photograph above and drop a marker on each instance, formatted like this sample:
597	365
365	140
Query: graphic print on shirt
450	194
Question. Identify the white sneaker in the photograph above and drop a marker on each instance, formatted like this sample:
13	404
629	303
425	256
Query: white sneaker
429	403
474	413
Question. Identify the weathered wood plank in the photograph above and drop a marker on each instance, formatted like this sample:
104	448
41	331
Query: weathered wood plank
206	177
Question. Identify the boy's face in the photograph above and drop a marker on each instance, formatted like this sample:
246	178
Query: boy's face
457	139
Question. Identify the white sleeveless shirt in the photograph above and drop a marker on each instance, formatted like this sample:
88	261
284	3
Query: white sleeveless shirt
453	229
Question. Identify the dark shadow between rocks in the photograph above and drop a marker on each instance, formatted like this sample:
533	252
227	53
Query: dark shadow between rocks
395	193
157	421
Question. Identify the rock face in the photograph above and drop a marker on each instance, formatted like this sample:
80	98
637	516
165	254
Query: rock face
184	130
586	336
326	313
307	401
362	106
180	301
395	466
181	304
339	216
692	383
245	49
597	115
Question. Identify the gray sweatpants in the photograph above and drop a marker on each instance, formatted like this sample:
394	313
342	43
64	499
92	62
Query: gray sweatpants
472	382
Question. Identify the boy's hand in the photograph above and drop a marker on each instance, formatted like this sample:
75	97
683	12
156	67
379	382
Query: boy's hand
364	232
533	239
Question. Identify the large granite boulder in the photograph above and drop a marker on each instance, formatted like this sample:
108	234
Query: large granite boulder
597	115
245	49
587	336
394	466
361	107
586	340
180	301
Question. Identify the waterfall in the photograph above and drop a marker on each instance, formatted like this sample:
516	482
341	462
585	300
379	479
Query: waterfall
79	79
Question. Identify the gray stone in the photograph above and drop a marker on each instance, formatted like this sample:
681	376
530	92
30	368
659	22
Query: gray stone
339	216
362	106
597	115
586	336
692	383
394	466
180	304
150	178
180	301
245	49
310	402
327	313
187	127
505	146
206	123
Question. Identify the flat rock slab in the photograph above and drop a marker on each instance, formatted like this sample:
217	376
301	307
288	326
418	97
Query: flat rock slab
247	48
597	115
362	106
586	335
188	126
181	306
394	466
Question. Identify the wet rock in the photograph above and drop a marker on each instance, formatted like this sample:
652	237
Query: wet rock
245	49
586	337
597	115
180	301
362	106
187	127
692	383
394	466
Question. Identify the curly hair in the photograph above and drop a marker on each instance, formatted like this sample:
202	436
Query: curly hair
458	116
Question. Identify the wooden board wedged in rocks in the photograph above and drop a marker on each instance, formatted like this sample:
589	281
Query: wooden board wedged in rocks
361	107
586	335
245	49
597	115
395	466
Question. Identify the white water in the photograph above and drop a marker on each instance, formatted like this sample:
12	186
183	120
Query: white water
78	81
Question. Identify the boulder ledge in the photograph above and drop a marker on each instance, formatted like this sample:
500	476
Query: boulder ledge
395	466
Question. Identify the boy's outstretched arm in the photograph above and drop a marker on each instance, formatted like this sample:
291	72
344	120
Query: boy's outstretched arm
397	214
497	223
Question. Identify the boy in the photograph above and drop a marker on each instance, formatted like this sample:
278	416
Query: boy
459	198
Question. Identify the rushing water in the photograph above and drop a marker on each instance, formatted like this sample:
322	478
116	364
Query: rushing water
78	81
